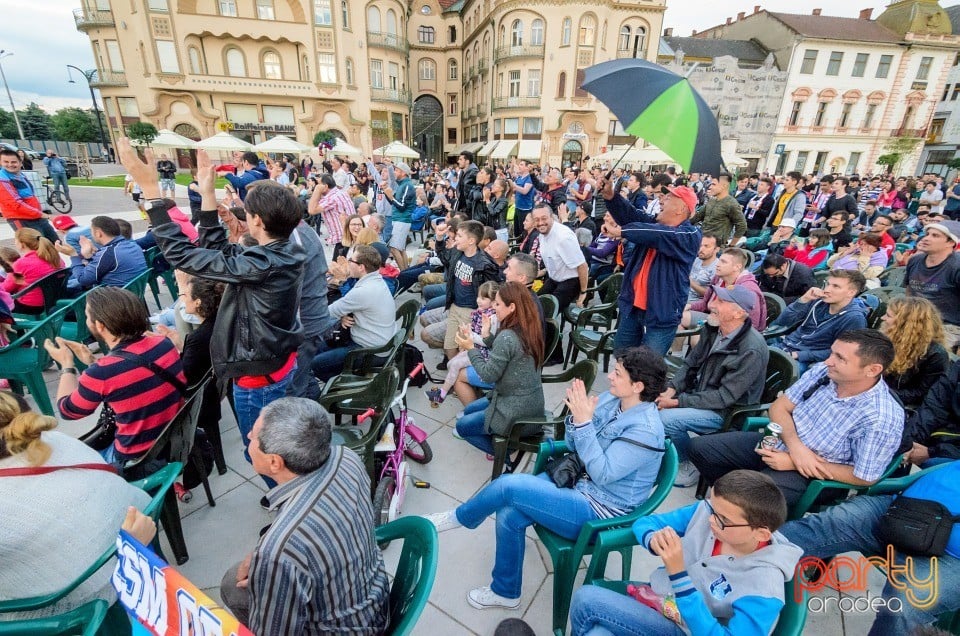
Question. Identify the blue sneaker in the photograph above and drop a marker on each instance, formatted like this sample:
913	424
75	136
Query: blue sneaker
435	397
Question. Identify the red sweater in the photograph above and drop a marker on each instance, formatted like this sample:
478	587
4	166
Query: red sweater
33	269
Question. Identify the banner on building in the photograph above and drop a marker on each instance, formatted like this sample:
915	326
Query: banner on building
161	600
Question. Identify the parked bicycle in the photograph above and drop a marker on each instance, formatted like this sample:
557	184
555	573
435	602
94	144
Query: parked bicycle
56	199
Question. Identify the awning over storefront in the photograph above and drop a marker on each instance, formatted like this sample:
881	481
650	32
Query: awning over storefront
530	149
471	147
487	148
504	149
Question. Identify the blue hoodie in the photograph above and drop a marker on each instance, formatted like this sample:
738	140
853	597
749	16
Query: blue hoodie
818	327
249	176
721	595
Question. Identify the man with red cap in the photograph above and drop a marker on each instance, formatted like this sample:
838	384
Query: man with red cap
657	272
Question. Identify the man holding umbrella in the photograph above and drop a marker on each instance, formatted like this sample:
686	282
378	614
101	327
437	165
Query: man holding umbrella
664	250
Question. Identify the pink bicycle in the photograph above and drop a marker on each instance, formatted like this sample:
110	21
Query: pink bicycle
391	457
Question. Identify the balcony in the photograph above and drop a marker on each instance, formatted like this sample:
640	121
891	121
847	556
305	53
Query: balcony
483	66
390	95
88	18
481	111
468	75
629	54
516	52
389	41
914	133
515	102
106	79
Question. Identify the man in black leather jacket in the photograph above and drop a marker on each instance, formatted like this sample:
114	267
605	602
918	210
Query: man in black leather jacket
468	179
258	331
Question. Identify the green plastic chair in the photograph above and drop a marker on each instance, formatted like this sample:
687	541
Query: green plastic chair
608	291
566	554
139	285
151	255
894	276
551	306
84	620
53	286
416	570
775	306
23	360
163	508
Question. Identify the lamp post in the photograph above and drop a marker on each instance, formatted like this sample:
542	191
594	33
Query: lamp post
89	75
3	54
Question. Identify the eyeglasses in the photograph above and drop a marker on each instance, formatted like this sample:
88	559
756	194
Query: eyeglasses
720	522
664	190
354	262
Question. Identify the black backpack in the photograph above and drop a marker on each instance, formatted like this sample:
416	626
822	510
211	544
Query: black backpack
411	358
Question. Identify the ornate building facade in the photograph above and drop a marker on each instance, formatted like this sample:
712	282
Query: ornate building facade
499	78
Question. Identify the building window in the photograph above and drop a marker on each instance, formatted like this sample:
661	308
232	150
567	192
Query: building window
426	35
562	85
348	71
128	107
533	82
860	64
113	55
511	126
496	127
821	114
514	85
854	162
833	66
321	13
452	69
236	65
373	19
228	8
883	67
167	54
923	71
265	10
393	75
868	117
391	22
271	65
536	32
428	70
326	68
159	6
452	35
345	14
956	60
588	30
193	54
795	114
844	120
451	135
568	27
516	33
376	73
532	125
452	104
956	91
801	161
946	91
809	62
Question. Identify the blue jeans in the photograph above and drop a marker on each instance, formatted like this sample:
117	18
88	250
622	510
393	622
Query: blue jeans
436	302
437	290
409	276
521	500
597	611
679	421
60	181
852	526
329	362
631	332
470	427
249	402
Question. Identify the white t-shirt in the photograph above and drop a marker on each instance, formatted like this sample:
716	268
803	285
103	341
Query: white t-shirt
561	253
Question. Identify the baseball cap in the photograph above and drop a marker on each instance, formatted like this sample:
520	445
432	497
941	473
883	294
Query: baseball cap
63	222
742	296
788	223
402	166
685	194
950	228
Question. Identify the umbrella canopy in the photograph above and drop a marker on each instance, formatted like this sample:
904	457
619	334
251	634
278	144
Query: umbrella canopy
661	107
282	144
224	141
397	149
343	148
169	139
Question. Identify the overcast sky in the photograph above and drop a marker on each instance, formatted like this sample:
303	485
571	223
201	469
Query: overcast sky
42	35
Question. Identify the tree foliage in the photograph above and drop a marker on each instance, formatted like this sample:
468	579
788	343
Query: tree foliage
889	160
8	126
142	132
75	124
36	122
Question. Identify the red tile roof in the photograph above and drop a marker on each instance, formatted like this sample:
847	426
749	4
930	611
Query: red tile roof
829	27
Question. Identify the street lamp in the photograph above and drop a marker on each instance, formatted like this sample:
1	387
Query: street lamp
3	54
89	75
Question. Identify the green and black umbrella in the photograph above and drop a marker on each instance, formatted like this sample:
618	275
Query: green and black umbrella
660	106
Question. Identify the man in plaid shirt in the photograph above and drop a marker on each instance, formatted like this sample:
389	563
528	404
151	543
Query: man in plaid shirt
839	420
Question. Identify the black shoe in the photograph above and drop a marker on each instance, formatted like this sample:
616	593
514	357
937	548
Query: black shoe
265	503
442	366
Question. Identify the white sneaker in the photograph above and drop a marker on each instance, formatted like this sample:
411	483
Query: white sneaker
687	476
443	521
485	598
386	443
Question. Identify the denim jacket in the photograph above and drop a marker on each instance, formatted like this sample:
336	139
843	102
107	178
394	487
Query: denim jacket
620	475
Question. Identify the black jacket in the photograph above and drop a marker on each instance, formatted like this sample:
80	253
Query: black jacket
912	385
493	214
486	272
556	198
940	411
466	184
794	284
732	375
257	327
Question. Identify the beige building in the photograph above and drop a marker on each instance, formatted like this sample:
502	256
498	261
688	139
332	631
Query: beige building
500	78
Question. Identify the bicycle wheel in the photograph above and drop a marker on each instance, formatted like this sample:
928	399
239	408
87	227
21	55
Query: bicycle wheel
381	503
419	452
60	203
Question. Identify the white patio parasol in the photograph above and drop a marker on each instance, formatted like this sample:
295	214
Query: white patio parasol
282	144
397	149
224	141
344	149
168	139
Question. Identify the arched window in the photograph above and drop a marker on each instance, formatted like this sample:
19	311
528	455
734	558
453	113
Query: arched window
236	64
640	42
271	65
516	33
373	19
536	32
562	85
502	37
193	54
565	33
345	13
452	69
624	43
426	35
588	30
391	22
428	70
348	69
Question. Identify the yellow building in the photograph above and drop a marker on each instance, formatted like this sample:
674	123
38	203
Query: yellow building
500	78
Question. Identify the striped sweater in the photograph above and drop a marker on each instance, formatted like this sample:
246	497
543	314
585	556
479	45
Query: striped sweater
143	401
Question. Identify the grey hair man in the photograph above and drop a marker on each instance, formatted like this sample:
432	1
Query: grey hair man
321	539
